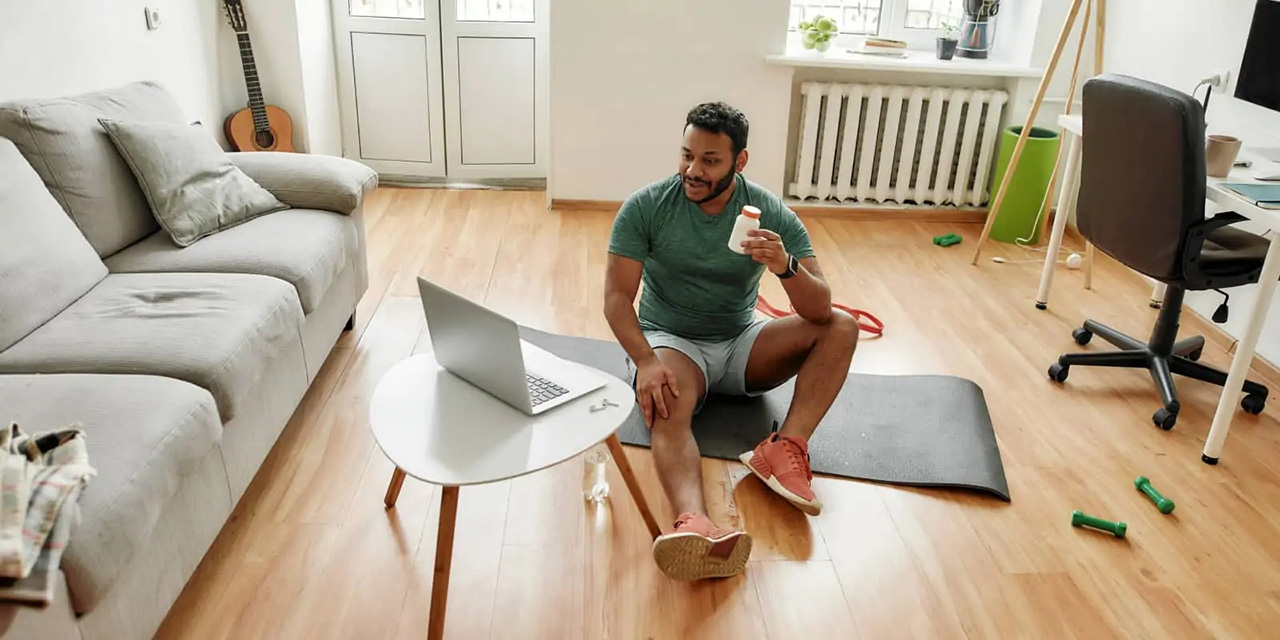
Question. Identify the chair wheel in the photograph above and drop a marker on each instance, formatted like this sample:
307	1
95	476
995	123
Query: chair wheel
1058	372
1164	418
1082	336
1195	355
1253	404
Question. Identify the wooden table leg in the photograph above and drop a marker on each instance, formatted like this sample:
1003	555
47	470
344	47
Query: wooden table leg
444	559
629	477
393	489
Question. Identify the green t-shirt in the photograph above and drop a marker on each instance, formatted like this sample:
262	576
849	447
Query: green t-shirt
694	286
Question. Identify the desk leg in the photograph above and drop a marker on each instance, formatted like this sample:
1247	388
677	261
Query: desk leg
444	559
1059	223
1244	356
1157	294
629	478
393	489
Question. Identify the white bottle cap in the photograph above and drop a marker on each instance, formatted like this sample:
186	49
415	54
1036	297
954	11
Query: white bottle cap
750	211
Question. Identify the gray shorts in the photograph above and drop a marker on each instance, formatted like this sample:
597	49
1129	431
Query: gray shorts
723	364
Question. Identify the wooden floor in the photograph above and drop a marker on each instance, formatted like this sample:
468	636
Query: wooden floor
311	553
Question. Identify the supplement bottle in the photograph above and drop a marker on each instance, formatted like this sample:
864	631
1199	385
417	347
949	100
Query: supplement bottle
748	220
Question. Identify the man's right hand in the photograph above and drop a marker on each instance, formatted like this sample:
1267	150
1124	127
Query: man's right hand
651	377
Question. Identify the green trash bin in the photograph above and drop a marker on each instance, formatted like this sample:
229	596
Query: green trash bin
1017	218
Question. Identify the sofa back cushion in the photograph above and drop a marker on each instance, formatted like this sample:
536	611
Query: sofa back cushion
45	264
69	149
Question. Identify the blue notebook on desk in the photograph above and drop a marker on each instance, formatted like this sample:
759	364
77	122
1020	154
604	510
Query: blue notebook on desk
1266	196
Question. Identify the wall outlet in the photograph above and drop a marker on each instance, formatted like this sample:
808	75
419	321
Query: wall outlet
153	18
1219	79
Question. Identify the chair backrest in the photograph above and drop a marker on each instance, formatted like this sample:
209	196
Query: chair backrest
1142	177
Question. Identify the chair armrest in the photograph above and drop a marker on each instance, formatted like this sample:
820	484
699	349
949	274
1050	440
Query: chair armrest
1193	244
309	181
1223	219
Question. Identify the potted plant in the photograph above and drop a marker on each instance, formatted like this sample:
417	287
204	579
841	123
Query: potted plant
947	41
817	33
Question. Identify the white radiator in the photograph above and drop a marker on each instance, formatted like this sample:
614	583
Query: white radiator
903	144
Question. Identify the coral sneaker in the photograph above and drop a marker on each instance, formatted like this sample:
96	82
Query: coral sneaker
782	462
698	549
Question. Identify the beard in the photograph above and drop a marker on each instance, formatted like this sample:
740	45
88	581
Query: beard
716	189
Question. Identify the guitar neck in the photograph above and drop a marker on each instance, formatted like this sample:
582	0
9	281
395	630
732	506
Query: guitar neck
256	104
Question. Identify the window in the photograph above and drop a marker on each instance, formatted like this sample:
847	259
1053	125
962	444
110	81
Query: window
917	22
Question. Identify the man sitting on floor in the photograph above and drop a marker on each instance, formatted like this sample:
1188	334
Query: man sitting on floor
696	332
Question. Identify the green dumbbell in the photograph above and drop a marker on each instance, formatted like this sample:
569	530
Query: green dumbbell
1117	529
1164	504
947	240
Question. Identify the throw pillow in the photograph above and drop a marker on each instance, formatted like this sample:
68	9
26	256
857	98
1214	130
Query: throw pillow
192	187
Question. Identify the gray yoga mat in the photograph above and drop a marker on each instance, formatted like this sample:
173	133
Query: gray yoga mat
929	431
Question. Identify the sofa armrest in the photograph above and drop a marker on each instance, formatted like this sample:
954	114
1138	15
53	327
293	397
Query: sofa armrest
309	181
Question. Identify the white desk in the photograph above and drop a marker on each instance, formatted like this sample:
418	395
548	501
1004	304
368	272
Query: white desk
438	428
1230	399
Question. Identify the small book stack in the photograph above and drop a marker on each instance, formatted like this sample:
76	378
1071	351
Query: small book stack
1265	196
883	47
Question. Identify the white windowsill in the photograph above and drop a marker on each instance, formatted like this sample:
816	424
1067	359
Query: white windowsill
915	62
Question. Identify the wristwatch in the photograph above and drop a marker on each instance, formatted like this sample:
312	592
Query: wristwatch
793	266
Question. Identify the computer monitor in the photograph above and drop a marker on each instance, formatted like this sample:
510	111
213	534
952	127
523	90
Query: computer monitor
1252	110
1259	79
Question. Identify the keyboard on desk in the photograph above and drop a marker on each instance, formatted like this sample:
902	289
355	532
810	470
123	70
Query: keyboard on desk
542	390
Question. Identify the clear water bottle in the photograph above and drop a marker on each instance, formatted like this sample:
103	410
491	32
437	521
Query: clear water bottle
595	482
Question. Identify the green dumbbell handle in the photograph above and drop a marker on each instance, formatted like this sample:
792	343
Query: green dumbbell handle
1117	529
1164	504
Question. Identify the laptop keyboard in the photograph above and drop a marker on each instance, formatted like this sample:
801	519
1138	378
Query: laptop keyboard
542	390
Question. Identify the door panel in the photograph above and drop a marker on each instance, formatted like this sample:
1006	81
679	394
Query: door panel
393	101
436	88
495	87
390	85
496	100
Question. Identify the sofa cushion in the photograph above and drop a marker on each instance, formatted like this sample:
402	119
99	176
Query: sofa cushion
217	331
143	433
306	248
190	185
45	264
64	142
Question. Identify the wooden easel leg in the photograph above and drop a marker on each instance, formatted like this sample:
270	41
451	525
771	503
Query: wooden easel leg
393	489
1067	26
1071	95
1088	265
1099	40
1099	54
444	560
633	486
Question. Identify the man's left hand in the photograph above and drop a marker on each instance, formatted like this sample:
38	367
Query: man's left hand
765	247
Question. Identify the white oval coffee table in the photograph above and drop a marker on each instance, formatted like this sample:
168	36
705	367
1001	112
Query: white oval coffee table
440	429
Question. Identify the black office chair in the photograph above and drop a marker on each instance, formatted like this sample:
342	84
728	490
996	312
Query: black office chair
1142	201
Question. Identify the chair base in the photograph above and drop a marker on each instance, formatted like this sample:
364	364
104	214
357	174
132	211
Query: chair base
1180	359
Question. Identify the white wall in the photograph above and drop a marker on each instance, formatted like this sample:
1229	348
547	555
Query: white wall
319	77
1177	48
624	74
60	47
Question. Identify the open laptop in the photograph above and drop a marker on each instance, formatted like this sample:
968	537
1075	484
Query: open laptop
484	348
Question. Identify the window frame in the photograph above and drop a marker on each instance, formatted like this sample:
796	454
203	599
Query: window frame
892	25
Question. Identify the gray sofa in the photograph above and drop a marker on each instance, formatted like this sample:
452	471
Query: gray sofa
181	365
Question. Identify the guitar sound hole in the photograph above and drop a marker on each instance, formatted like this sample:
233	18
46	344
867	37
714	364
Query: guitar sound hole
265	139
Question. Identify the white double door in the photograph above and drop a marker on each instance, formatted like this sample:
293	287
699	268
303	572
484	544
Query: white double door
444	88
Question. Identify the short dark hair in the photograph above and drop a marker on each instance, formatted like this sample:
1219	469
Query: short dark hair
718	117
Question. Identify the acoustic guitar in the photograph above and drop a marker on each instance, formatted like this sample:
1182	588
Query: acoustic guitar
260	126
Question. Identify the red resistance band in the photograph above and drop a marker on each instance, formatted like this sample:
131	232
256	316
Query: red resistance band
866	321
